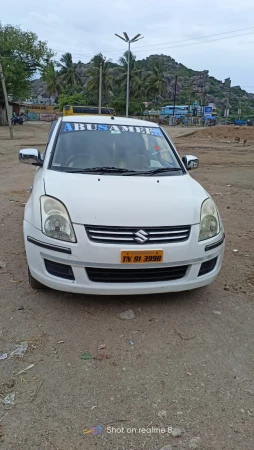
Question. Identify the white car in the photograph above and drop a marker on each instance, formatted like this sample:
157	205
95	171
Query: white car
114	211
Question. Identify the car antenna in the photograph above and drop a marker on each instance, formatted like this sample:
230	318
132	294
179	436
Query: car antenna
112	118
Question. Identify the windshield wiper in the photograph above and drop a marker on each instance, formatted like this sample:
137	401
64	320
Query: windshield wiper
101	170
164	169
154	171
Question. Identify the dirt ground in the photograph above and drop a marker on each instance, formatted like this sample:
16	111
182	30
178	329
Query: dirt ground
224	133
191	362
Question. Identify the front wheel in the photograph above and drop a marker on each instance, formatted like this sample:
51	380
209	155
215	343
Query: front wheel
34	283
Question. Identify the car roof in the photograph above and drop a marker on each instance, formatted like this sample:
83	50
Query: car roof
108	120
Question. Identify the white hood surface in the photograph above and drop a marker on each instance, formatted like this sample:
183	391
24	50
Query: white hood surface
113	200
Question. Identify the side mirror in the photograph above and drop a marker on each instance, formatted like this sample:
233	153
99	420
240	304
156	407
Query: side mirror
30	156
190	162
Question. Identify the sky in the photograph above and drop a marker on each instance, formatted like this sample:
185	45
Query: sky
87	27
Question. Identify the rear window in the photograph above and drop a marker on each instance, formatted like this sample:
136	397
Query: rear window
84	110
91	110
86	145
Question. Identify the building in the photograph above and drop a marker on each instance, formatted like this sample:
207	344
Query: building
181	110
43	98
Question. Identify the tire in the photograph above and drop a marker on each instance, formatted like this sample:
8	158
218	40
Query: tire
34	283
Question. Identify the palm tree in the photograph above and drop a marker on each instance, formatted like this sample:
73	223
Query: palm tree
135	77
107	77
68	71
156	82
52	78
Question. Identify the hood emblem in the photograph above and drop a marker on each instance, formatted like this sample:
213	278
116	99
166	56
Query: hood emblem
141	236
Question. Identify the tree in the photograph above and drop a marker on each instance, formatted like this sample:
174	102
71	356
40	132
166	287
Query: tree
68	71
22	55
107	78
135	76
136	107
52	78
78	98
156	83
66	99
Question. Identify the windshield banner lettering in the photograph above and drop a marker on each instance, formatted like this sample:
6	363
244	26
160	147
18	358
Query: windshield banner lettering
69	127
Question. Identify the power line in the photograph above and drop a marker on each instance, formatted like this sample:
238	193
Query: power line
157	48
199	37
204	42
164	43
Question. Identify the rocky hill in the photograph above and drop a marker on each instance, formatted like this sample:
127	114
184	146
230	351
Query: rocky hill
197	85
38	87
191	85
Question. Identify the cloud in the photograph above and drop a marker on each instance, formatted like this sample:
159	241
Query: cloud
87	27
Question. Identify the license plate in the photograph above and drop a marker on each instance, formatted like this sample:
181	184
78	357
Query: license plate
141	257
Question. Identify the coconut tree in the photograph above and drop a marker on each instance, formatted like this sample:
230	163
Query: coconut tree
53	79
68	71
135	76
156	82
107	77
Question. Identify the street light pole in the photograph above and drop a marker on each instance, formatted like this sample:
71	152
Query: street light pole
128	81
6	99
129	41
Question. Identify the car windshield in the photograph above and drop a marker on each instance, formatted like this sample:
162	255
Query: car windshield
113	149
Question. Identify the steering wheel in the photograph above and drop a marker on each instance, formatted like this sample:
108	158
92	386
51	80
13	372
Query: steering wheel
76	156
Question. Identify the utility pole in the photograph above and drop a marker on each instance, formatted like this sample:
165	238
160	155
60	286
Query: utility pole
227	84
204	96
100	88
175	96
227	103
6	99
189	106
239	109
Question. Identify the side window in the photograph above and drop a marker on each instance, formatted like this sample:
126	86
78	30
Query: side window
51	130
49	136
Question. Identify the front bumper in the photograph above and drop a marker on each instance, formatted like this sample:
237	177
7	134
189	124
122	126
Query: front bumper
85	254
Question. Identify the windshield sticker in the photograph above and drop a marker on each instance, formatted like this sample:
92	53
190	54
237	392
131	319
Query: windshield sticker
68	127
157	132
103	127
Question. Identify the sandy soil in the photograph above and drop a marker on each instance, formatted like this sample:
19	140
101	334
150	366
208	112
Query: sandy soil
191	365
228	133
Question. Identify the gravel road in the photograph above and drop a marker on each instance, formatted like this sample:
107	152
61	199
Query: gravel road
189	366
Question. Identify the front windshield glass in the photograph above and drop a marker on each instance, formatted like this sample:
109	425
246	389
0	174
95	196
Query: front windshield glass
83	146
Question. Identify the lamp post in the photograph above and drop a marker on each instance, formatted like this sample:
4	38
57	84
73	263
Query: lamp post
129	42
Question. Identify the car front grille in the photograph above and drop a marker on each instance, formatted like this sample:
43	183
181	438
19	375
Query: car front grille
134	236
101	275
59	270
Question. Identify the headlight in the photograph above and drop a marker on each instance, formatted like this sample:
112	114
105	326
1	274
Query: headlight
55	220
209	220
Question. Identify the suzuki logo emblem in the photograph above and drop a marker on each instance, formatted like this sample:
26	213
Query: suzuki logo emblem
141	236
